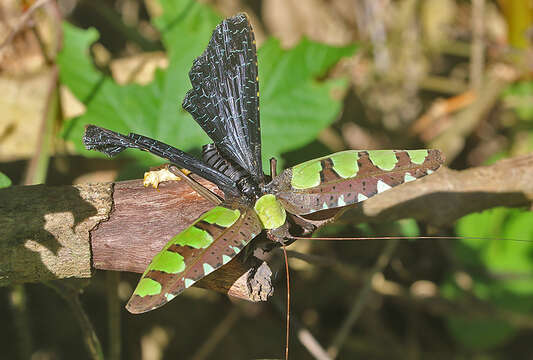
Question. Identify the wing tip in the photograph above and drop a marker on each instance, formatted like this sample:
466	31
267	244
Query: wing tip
104	140
437	156
137	305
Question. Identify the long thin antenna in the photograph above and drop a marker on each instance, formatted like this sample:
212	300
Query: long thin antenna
196	186
288	303
407	238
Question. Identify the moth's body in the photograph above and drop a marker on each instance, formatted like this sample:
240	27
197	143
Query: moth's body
337	180
224	101
333	181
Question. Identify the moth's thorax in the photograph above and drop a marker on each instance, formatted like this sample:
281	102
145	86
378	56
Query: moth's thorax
246	185
249	189
270	211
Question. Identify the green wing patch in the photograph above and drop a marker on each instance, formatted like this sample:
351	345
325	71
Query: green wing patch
352	176
210	242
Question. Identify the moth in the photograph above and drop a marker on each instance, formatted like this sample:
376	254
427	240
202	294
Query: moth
224	101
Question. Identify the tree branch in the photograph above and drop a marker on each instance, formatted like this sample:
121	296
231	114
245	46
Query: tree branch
62	232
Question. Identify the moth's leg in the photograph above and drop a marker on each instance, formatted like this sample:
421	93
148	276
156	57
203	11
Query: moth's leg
294	227
306	227
170	172
196	186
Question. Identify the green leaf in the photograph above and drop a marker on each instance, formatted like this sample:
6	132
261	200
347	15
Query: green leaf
480	334
153	110
76	68
502	272
4	181
409	227
500	255
295	107
518	97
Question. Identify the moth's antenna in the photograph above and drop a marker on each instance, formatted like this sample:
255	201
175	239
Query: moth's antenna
288	302
196	186
408	238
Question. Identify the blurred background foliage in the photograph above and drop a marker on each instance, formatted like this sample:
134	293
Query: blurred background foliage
334	75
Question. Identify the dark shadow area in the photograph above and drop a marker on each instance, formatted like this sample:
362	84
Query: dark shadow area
23	210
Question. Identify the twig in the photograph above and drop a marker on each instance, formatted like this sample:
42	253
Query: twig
23	19
305	336
311	344
70	292
21	320
431	124
443	85
378	34
347	271
113	313
38	165
451	141
222	329
361	300
477	57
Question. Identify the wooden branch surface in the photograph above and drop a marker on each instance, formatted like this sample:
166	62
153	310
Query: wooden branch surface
48	232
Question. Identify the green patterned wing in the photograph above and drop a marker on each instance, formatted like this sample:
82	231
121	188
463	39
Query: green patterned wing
210	242
348	177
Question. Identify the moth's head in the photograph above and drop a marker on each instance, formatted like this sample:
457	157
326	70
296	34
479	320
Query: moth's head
249	189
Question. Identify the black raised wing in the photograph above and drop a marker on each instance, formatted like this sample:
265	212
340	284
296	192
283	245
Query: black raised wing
224	99
112	143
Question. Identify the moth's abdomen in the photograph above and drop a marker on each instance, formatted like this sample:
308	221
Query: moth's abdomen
352	176
212	157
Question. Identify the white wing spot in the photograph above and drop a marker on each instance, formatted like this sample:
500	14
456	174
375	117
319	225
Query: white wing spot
188	282
325	206
169	296
340	201
408	177
235	248
225	259
208	269
430	172
382	186
361	197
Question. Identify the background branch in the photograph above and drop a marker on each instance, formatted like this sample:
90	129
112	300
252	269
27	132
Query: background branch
62	232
